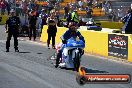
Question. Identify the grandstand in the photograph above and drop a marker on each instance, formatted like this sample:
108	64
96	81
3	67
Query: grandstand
96	11
116	4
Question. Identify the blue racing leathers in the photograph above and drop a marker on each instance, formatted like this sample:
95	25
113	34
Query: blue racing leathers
69	33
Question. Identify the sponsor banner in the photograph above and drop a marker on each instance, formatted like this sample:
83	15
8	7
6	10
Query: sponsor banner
118	46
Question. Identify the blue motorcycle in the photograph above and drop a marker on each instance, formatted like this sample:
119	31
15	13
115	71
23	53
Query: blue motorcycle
71	54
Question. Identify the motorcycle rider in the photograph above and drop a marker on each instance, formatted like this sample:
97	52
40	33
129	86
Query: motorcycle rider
71	32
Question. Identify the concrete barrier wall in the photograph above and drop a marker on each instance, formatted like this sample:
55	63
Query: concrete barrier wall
130	48
96	41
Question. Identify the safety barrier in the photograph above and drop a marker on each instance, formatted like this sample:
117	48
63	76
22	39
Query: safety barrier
3	19
130	48
101	43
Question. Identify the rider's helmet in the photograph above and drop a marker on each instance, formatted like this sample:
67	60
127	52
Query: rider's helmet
73	25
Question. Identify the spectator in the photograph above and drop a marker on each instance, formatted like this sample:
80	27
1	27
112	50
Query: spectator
24	24
80	3
113	15
129	10
17	8
50	7
90	3
52	29
20	8
110	14
99	4
31	5
56	6
39	24
73	7
24	8
68	19
44	18
3	6
8	7
74	16
89	12
57	17
66	9
120	14
127	20
106	6
32	24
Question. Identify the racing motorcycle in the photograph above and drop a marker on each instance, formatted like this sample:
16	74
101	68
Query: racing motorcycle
71	54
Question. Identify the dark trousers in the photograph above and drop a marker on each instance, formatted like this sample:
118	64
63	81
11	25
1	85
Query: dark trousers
65	15
59	55
49	38
15	35
32	30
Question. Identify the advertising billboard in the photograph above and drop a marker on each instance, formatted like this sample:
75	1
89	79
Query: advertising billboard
118	46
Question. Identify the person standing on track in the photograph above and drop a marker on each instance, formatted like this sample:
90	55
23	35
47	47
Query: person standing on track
52	29
12	28
32	24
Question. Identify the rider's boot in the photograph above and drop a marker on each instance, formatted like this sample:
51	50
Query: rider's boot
58	59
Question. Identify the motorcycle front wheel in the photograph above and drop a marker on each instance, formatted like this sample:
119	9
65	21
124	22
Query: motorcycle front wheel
77	61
